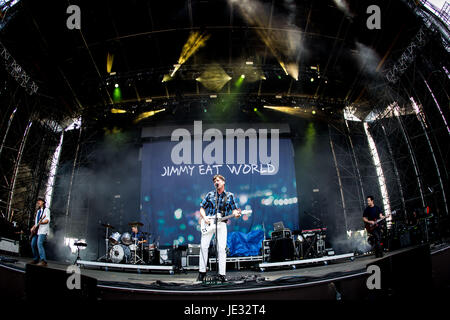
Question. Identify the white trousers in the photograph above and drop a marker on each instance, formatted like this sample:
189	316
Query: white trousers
221	247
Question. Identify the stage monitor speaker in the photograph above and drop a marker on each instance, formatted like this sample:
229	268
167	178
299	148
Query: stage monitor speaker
281	250
406	274
52	284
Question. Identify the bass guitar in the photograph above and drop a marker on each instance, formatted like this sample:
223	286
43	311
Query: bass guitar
371	227
206	228
35	228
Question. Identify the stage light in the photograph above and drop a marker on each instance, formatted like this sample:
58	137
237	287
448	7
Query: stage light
312	79
239	81
116	85
195	41
166	78
176	67
147	114
115	110
214	78
148	100
255	109
112	73
109	62
249	63
292	111
292	70
243	76
117	94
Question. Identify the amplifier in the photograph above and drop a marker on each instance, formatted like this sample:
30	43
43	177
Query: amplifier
165	256
192	261
282	250
9	245
281	234
265	250
193	249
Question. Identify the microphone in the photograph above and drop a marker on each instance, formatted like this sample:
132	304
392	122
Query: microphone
216	185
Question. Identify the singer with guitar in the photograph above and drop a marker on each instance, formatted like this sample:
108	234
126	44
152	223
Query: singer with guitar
215	202
39	233
373	217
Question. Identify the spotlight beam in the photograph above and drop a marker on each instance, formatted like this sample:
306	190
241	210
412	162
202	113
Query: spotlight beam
195	41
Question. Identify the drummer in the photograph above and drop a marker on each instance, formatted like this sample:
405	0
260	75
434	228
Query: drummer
135	233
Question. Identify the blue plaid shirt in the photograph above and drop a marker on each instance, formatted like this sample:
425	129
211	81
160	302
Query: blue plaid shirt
138	235
209	203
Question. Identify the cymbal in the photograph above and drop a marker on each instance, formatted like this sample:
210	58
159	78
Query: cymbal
140	224
107	225
80	244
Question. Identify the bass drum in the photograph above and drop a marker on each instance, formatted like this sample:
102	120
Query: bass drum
120	253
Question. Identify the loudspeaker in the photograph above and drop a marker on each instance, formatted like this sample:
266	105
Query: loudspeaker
193	261
406	274
281	250
52	284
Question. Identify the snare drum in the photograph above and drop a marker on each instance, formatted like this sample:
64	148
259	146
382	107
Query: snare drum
120	253
114	238
133	247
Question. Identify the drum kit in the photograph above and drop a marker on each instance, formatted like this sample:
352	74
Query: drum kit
124	248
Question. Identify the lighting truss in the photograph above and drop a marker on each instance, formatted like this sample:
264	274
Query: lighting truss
408	56
16	71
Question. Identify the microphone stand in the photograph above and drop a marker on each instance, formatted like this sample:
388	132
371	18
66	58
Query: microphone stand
216	220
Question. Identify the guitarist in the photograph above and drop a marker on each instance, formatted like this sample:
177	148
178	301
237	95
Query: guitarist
226	203
371	214
39	233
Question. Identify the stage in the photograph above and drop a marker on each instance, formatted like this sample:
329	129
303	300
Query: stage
339	279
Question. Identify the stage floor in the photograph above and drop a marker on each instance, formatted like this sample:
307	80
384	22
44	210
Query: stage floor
189	276
316	270
113	283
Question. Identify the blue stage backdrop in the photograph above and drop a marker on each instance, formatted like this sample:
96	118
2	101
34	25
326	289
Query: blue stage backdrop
171	192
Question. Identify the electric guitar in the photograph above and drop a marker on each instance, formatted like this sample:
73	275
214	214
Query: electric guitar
35	228
371	227
206	228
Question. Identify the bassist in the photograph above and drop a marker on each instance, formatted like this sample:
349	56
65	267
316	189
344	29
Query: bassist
39	233
371	217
